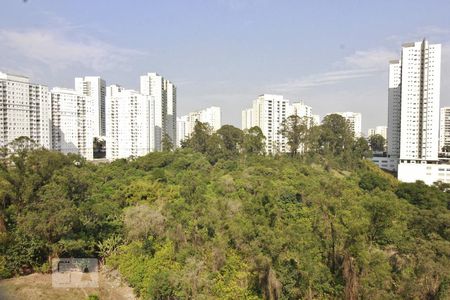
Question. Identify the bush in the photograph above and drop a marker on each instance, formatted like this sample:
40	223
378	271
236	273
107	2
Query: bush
371	181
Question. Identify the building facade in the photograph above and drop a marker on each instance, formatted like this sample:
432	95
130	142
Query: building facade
413	112
247	118
414	96
129	123
268	112
303	111
185	126
381	130
164	96
69	134
300	109
444	130
182	130
316	120
25	110
93	88
213	116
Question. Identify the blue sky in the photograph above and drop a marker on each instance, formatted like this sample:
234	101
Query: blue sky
331	54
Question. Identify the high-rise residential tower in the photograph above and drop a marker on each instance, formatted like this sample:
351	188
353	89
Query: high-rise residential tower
93	88
268	112
381	130
185	126
213	116
302	110
316	120
444	131
129	123
182	129
69	134
247	118
25	110
414	96
164	95
413	115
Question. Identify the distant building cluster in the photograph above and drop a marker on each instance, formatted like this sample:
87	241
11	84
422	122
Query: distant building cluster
269	111
185	124
418	129
380	130
25	110
444	131
131	123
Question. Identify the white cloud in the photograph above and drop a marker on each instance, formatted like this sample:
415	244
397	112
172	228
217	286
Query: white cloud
321	79
62	49
371	59
357	65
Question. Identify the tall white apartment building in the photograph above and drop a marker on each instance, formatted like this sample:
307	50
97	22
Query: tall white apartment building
25	110
164	95
192	117
444	130
247	118
171	111
302	110
394	108
268	112
316	120
414	96
413	122
94	90
381	130
182	129
69	134
354	120
211	115
129	123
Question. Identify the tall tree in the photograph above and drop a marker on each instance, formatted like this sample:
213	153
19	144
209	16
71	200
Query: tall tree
336	135
377	142
216	148
361	148
198	140
294	129
253	141
312	141
167	143
232	138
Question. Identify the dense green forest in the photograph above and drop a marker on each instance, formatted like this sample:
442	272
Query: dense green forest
220	219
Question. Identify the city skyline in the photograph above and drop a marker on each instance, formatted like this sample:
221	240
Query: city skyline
255	47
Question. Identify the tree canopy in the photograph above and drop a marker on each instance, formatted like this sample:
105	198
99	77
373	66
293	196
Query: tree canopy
220	220
377	142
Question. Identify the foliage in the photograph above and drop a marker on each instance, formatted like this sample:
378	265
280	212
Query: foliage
253	141
215	220
336	137
294	129
232	138
377	142
167	143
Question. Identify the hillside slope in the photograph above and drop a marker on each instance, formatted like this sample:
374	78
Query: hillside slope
177	226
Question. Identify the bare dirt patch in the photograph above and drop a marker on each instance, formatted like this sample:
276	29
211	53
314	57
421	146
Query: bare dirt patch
39	286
